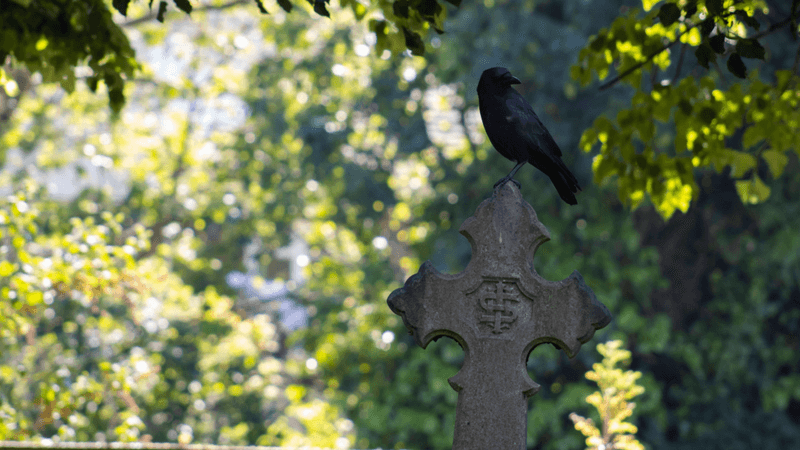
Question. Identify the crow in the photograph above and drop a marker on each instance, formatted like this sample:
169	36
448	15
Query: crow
517	133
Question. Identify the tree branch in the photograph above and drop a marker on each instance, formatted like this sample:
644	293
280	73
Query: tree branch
774	27
680	64
638	66
152	15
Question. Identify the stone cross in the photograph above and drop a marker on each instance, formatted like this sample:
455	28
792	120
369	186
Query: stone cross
498	309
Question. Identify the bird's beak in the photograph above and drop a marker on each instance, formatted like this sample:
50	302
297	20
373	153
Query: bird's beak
511	79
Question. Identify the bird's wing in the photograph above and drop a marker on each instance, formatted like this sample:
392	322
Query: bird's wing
527	122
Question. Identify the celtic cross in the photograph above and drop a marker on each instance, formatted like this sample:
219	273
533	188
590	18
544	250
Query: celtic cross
498	309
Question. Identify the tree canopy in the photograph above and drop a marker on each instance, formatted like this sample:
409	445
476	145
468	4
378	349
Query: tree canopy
698	118
65	41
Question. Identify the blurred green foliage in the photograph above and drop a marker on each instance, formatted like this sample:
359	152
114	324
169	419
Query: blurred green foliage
117	323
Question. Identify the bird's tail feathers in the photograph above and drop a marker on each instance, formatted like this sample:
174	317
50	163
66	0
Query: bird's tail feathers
568	176
565	182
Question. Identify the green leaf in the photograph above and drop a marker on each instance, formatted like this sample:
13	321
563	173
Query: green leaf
379	27
707	114
68	82
750	48
705	54
717	43
116	98
92	83
286	5
783	76
6	268
263	10
714	7
736	66
752	191
685	106
752	135
690	8
604	168
661	112
400	8
184	5
598	42
428	8
121	6
414	42
319	8
750	21
438	19
669	14
162	9
741	163
707	26
776	160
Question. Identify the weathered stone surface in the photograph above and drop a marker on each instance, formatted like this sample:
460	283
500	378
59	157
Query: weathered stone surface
498	309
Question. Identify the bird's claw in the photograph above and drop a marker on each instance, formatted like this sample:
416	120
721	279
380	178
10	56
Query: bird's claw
506	180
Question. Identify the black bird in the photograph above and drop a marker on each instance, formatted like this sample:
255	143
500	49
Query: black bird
518	134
